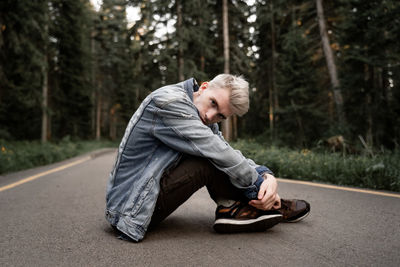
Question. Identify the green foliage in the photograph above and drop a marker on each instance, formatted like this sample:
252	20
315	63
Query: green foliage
199	38
20	155
21	60
368	33
97	67
70	96
381	171
301	111
114	80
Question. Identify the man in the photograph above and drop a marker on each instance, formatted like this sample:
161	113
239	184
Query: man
172	147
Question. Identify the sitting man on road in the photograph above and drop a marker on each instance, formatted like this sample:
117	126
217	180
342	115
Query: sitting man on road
172	147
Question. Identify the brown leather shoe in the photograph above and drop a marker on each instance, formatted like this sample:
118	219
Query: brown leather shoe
294	210
241	217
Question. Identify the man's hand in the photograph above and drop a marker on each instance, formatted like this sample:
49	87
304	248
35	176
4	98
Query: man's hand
267	195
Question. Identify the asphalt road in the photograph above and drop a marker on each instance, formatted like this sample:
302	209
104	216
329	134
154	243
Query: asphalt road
57	220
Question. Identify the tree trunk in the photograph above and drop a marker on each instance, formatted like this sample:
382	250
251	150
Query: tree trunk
202	58
368	84
202	63
45	89
93	73
226	124
299	121
181	76
113	123
369	134
98	115
337	93
234	127
225	23
44	101
331	107
272	95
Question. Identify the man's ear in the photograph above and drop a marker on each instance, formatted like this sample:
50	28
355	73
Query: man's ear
204	85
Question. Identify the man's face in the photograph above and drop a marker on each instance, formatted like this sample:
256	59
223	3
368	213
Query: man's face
213	104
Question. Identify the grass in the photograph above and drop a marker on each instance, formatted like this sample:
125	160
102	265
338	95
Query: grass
381	171
20	155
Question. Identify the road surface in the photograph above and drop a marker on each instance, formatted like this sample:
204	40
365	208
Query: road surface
56	218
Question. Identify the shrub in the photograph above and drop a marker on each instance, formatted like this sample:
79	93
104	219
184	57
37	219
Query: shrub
381	171
19	155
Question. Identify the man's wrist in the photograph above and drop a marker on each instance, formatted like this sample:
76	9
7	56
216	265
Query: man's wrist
267	176
251	192
262	170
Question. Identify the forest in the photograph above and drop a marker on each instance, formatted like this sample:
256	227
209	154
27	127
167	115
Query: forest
320	72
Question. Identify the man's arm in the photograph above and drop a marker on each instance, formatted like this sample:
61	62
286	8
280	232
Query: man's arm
267	197
179	127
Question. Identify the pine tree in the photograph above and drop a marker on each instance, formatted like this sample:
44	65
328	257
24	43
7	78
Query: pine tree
287	60
370	55
115	90
70	99
271	23
330	61
182	52
301	116
21	62
145	52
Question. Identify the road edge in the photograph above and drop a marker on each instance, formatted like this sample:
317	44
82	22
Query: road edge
14	179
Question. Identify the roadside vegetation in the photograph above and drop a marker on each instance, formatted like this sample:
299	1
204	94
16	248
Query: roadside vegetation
20	155
380	170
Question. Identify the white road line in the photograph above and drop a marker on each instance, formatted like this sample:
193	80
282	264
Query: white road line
339	187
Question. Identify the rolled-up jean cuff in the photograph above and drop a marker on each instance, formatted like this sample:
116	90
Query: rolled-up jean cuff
252	191
262	169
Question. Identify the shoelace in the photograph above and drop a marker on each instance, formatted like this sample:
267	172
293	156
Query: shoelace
284	206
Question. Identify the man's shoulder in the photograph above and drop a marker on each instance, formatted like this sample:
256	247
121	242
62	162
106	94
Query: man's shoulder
170	93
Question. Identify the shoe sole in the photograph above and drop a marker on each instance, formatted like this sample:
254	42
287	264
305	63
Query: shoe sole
260	224
298	219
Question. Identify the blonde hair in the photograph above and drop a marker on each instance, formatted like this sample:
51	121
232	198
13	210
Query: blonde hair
239	99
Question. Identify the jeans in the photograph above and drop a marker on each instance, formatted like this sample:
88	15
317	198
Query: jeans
191	174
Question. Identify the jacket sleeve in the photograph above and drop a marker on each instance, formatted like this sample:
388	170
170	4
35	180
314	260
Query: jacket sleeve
179	127
259	168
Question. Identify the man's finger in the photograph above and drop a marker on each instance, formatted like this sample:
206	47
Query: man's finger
267	198
262	191
270	196
264	205
277	204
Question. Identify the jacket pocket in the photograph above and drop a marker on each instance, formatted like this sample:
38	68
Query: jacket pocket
142	196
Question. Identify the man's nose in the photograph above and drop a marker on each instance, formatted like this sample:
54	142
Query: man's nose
211	116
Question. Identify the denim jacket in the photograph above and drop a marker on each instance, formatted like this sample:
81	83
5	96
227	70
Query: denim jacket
165	125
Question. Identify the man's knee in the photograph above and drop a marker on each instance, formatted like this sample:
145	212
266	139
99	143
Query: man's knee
203	167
